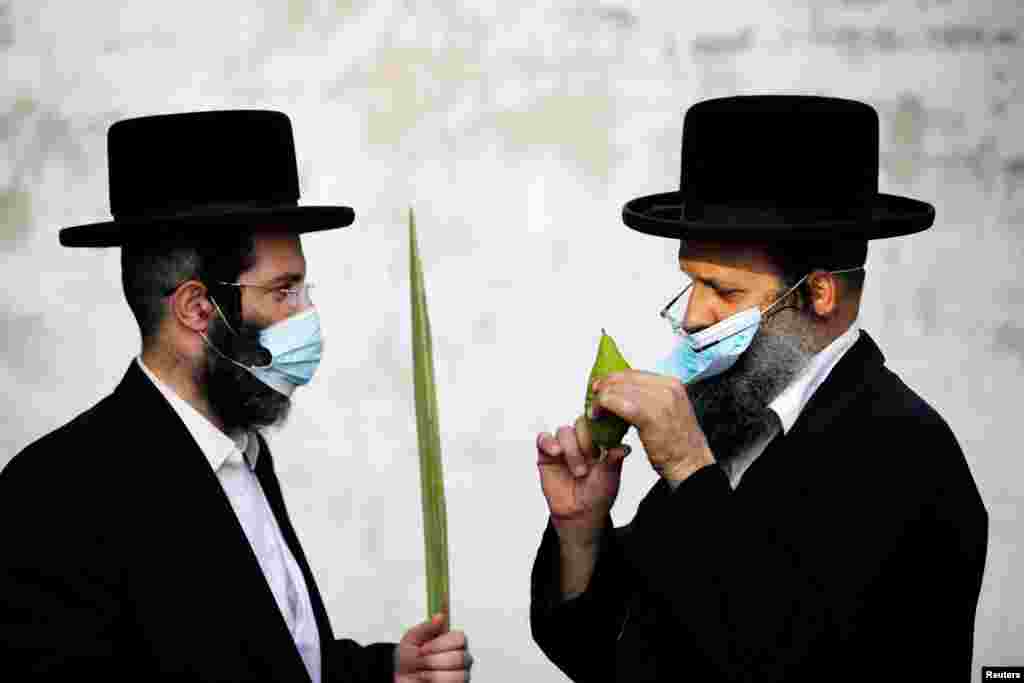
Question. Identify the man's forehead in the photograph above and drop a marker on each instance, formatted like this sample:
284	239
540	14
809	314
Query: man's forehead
753	257
277	252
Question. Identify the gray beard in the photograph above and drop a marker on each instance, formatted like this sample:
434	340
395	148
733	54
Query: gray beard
732	408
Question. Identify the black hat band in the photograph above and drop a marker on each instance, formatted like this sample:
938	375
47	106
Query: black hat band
188	208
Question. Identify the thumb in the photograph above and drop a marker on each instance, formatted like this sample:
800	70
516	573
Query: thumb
427	631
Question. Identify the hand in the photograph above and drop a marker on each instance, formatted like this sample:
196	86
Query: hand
580	492
660	409
429	652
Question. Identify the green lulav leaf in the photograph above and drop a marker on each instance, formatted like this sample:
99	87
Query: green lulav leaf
435	519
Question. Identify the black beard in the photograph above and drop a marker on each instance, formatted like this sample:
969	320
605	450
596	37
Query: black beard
732	408
241	401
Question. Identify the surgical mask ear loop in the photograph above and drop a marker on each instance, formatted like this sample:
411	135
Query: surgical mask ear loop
783	297
221	314
219	353
234	332
800	282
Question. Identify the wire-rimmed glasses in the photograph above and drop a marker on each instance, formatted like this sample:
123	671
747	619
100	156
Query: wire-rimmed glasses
667	313
297	296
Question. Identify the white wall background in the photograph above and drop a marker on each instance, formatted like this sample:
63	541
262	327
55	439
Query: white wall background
517	131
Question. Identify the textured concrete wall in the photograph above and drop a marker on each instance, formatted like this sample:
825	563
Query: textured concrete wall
517	131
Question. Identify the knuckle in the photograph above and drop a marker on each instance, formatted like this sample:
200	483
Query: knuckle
677	388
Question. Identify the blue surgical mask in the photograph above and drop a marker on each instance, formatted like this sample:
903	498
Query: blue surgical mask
715	349
295	347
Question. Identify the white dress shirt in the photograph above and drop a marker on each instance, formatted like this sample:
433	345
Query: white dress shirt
234	462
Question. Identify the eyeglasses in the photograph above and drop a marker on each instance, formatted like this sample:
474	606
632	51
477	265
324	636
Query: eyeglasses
295	297
673	317
667	313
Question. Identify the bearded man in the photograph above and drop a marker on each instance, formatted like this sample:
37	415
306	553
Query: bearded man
148	538
814	518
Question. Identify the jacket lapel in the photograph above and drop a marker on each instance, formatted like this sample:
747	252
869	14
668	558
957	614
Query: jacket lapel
847	381
216	566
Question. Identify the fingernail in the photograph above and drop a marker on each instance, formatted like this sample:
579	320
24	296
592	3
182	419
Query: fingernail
580	470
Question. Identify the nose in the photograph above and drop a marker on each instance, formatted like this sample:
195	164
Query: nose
700	313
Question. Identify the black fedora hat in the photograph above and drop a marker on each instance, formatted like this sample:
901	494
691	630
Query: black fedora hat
211	171
779	167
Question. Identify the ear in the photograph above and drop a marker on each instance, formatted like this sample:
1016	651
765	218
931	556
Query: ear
191	307
824	293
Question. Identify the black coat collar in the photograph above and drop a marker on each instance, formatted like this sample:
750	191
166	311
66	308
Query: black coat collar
852	374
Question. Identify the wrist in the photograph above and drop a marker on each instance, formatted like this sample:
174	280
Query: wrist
576	537
678	472
577	559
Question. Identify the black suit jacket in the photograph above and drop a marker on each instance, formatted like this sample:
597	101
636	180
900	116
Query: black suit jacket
852	549
120	556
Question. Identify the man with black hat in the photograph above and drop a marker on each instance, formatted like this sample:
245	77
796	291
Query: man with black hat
814	519
148	538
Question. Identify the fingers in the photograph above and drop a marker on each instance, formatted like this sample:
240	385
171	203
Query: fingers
446	658
443	676
638	378
584	437
574	459
428	630
622	400
448	642
548	450
447	661
643	404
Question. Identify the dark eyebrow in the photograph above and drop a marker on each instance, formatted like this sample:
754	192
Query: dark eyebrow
714	284
286	279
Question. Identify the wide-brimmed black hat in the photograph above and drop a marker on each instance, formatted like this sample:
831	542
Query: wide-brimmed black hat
212	171
779	167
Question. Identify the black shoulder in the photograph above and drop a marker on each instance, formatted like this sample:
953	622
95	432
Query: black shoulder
916	433
891	397
62	453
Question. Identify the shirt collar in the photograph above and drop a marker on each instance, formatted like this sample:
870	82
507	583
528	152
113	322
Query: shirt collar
217	446
790	403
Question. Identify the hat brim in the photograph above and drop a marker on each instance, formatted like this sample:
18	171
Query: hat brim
291	218
664	215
